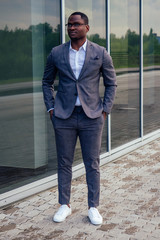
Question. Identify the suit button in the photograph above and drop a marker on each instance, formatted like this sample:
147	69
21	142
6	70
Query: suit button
75	94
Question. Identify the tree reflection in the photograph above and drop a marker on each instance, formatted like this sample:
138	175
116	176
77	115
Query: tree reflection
16	49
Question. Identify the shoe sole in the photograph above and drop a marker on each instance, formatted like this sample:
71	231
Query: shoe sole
95	223
59	221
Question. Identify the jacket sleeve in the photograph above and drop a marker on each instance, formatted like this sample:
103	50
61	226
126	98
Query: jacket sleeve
48	82
109	79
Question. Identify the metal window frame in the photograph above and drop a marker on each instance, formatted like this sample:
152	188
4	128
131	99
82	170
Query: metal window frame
141	68
62	20
108	49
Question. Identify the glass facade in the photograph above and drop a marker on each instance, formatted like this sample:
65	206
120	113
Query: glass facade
125	51
151	59
28	31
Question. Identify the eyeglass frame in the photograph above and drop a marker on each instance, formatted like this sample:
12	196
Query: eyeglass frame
69	25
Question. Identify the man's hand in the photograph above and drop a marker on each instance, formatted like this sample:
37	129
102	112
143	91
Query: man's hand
51	113
104	115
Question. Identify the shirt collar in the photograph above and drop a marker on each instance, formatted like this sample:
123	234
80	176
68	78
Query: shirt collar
84	46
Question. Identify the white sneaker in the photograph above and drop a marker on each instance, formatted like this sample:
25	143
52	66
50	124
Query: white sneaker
95	216
63	212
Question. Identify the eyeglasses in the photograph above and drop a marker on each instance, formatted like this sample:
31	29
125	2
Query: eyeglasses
76	25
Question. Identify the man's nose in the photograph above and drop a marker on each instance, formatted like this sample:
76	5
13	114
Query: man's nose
72	26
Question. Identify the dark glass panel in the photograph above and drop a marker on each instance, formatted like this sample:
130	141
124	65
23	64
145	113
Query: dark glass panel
151	47
125	124
28	31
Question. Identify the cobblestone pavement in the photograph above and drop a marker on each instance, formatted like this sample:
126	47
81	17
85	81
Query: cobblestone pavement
130	205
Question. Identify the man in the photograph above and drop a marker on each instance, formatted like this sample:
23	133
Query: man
77	110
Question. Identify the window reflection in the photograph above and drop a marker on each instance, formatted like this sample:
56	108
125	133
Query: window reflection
151	42
28	31
125	53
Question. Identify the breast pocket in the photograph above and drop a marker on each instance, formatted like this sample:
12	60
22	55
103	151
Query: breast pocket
95	62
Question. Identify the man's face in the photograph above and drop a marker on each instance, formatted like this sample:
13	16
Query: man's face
77	32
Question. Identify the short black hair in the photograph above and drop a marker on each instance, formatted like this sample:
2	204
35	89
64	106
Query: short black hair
83	16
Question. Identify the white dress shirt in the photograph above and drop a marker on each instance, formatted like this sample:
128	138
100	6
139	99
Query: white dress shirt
76	59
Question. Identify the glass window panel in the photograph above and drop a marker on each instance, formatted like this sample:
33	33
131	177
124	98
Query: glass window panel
125	54
28	31
95	10
52	39
151	48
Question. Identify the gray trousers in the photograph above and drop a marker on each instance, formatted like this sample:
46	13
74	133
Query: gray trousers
89	132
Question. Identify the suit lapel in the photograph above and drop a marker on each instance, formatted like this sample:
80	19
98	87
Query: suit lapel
87	58
66	57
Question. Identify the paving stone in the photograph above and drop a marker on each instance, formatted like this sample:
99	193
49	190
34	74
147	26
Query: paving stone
21	219
13	233
142	236
37	218
43	207
21	205
4	238
33	213
25	225
2	216
27	209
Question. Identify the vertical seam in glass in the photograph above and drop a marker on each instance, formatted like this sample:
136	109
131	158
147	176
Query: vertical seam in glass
141	69
62	20
108	49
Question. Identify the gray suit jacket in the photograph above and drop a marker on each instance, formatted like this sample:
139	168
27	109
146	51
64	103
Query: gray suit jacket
97	62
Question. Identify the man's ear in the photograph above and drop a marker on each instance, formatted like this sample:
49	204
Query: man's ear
87	28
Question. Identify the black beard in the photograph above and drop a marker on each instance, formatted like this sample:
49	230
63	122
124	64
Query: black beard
74	39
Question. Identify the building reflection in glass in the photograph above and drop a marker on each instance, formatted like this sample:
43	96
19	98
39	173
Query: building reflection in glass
28	31
151	59
125	47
